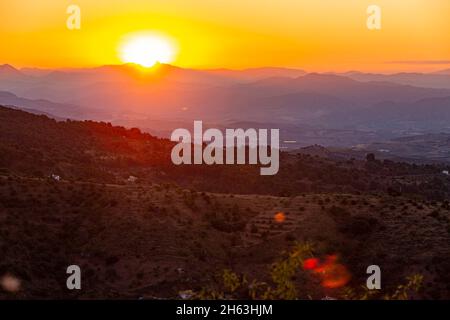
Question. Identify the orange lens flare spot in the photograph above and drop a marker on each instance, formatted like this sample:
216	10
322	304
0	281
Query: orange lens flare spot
335	276
280	217
9	283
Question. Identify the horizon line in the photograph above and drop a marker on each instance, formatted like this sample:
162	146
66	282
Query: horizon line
418	62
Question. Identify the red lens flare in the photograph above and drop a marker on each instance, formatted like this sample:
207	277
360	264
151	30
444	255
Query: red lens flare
280	217
310	264
332	273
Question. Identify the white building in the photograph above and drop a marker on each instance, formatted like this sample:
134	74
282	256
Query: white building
132	179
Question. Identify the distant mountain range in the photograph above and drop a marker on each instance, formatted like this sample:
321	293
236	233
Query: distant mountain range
439	79
446	71
49	108
330	109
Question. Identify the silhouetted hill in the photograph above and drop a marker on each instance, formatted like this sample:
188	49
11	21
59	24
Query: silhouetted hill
95	151
59	110
9	72
255	74
427	80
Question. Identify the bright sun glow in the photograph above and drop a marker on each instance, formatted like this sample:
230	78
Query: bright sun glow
147	50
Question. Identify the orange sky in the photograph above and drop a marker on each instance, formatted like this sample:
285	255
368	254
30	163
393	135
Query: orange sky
319	35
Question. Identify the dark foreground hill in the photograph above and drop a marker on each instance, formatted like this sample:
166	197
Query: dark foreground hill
171	229
38	146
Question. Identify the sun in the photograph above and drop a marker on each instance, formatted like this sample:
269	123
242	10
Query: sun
147	50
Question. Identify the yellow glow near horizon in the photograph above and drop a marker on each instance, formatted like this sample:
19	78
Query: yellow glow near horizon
147	50
319	35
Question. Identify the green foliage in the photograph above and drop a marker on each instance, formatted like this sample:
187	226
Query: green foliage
403	292
232	281
282	274
283	286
